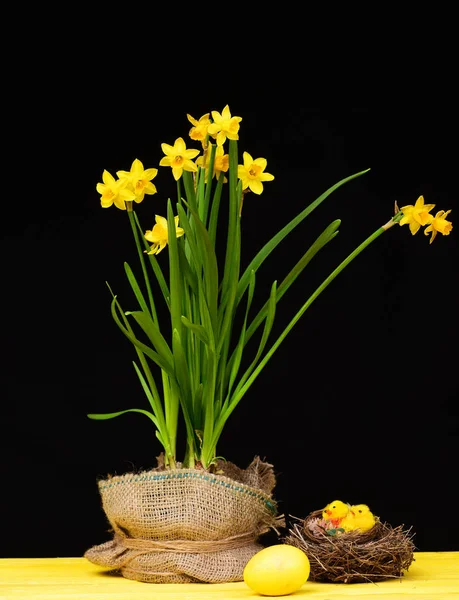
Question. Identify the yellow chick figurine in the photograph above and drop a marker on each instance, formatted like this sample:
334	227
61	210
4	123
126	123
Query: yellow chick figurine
335	512
359	517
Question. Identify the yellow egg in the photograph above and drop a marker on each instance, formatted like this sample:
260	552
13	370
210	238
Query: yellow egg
277	570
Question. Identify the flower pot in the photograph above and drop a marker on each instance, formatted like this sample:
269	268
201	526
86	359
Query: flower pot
186	525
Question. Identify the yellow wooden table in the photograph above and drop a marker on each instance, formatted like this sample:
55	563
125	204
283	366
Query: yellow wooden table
432	576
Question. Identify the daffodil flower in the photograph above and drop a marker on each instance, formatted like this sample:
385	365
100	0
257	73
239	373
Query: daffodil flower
251	173
179	158
199	130
221	162
114	191
224	126
416	215
139	180
159	235
439	224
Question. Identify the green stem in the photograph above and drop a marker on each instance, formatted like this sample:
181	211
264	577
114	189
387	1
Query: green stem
155	266
208	189
233	218
142	262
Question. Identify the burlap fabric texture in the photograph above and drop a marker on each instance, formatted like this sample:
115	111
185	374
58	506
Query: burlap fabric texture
186	525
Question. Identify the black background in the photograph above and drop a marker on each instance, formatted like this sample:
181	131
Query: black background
359	403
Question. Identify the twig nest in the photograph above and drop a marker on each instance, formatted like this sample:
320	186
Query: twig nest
382	552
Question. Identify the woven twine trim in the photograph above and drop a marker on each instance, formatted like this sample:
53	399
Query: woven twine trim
194	546
185	546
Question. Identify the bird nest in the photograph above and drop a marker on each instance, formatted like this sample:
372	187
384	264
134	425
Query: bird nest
382	552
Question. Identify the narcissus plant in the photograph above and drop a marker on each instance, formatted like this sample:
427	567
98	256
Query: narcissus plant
195	365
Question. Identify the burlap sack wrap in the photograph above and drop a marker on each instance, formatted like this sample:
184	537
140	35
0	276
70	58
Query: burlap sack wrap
186	525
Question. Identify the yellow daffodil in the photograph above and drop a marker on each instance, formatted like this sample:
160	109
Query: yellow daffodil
417	215
114	191
159	235
224	126
221	162
439	224
179	158
251	173
199	130
139	180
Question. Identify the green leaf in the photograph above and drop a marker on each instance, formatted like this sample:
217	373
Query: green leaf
227	306
158	412
183	379
303	309
153	390
185	267
136	288
326	236
190	237
269	320
197	329
161	441
197	407
208	403
232	402
151	329
106	416
234	200
237	354
181	369
233	245
275	241
157	358
209	260
213	219
154	403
